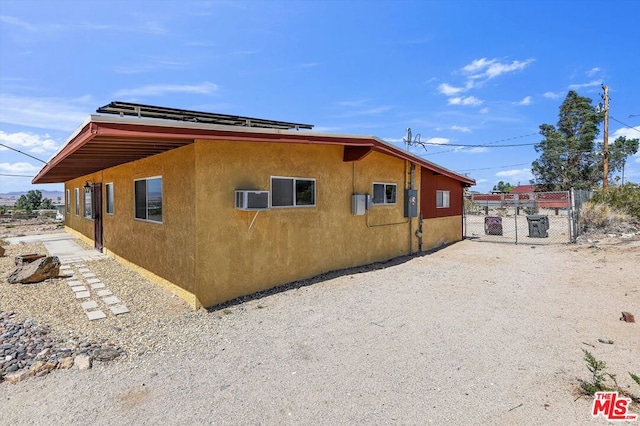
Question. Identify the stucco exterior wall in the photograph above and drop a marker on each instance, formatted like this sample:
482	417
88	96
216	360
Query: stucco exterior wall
214	252
167	249
440	231
239	253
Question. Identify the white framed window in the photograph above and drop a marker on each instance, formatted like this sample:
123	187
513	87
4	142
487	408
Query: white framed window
87	212
76	193
148	199
108	189
385	193
442	199
293	192
67	201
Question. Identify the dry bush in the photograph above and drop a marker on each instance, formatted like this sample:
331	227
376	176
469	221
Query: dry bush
601	217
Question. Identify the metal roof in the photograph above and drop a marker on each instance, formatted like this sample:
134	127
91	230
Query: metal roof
150	111
107	141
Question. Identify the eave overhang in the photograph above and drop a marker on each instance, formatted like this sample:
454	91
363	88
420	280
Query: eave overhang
104	142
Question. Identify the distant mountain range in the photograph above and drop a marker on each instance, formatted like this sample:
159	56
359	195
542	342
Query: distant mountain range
53	195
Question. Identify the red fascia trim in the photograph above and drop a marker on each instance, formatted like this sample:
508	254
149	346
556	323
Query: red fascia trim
85	135
400	154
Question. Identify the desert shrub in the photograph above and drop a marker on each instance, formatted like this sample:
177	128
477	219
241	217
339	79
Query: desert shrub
624	198
600	216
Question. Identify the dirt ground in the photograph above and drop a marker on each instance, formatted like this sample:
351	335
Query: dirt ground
476	333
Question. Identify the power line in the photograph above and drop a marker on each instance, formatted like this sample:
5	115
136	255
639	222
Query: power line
486	145
498	167
4	174
626	125
23	153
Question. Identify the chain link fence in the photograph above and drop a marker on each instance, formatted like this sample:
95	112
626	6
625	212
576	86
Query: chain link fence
522	218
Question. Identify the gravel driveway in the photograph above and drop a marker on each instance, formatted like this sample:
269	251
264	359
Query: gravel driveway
476	333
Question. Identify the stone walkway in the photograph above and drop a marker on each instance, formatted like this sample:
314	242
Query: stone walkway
93	295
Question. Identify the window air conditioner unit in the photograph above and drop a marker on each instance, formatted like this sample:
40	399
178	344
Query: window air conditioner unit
252	200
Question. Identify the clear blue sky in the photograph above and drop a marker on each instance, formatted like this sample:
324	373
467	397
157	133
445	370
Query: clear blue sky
456	72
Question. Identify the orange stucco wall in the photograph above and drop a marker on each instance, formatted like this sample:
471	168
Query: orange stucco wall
166	249
213	252
240	252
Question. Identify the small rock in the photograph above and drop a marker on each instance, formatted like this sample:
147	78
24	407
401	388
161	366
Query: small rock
627	317
43	353
1	251
82	362
49	366
66	363
105	353
16	376
36	366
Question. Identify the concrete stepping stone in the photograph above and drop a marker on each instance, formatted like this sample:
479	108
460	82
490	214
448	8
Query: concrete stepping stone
78	288
93	280
74	283
110	300
94	315
91	304
96	286
119	309
83	270
88	275
83	295
103	293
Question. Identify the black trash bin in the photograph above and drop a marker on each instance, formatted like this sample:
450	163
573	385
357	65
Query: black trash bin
493	225
538	226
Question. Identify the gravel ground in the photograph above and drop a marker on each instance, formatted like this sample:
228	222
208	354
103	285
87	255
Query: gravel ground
476	333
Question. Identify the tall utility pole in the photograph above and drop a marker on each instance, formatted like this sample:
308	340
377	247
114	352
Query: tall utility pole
605	163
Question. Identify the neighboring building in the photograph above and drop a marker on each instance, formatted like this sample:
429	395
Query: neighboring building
161	195
523	189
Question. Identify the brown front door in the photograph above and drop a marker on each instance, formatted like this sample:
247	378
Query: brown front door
97	215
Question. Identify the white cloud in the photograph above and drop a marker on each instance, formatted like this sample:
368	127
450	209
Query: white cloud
309	65
490	68
524	102
462	129
449	90
19	168
33	142
468	101
44	113
205	88
437	141
593	71
484	111
583	85
552	95
12	20
518	175
477	72
629	133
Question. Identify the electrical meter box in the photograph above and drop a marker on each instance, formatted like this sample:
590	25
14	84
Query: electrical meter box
358	204
410	203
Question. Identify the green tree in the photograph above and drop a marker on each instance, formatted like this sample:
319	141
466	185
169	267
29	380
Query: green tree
32	200
619	150
46	204
503	187
568	156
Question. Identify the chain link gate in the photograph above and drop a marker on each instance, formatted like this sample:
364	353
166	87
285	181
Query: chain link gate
521	218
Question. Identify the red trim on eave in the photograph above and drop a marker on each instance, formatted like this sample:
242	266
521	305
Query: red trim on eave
85	135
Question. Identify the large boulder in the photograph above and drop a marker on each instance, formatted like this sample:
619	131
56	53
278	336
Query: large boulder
40	270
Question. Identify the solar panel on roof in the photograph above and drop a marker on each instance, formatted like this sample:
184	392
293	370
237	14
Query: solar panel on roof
150	111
